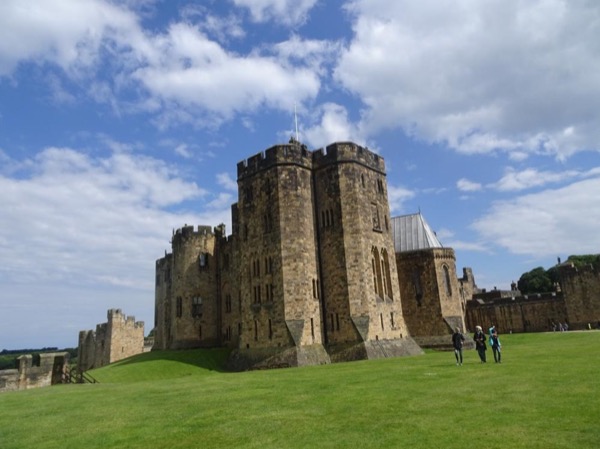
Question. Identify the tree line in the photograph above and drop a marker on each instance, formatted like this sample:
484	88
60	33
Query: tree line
540	280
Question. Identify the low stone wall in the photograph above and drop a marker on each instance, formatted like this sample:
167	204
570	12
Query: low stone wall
35	371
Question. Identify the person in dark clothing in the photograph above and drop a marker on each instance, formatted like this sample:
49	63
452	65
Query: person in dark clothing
457	341
480	345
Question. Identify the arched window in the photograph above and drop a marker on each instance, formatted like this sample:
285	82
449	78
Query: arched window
385	263
416	280
377	277
179	307
447	281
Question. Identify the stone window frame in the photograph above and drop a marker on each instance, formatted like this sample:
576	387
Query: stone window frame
268	292
179	307
197	307
375	217
386	274
316	289
268	265
268	222
418	287
203	260
327	218
447	279
228	307
377	275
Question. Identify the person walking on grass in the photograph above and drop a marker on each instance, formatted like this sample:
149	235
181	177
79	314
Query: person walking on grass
457	341
495	344
480	345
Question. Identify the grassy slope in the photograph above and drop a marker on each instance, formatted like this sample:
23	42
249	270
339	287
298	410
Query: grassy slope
546	394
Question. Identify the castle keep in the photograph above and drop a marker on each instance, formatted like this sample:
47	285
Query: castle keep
316	271
308	275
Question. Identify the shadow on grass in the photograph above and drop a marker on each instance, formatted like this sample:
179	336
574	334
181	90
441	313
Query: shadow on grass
208	359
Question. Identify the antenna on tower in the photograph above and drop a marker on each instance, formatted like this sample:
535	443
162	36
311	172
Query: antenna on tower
296	122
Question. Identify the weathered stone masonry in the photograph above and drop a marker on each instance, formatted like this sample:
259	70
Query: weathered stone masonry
308	275
35	371
120	337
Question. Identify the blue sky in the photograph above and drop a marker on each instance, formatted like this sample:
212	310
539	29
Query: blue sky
123	120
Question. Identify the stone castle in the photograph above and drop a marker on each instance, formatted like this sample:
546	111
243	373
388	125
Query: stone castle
315	270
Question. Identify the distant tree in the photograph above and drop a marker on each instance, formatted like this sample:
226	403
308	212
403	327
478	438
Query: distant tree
586	259
553	275
8	362
537	280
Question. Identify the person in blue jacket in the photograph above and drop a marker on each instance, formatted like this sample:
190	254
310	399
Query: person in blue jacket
495	344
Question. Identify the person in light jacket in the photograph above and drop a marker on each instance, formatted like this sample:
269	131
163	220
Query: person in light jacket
480	345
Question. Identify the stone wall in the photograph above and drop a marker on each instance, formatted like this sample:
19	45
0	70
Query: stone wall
529	313
581	288
433	297
120	337
35	371
577	304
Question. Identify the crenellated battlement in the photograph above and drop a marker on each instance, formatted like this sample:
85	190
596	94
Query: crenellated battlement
348	152
114	313
117	315
290	153
188	232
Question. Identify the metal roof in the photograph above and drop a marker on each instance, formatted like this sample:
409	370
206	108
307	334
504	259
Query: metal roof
412	233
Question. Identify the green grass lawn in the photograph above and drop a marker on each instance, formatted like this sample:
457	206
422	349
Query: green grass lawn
545	394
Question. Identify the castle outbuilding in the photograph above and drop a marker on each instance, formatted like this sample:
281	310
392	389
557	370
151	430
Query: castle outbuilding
433	298
309	273
574	305
120	337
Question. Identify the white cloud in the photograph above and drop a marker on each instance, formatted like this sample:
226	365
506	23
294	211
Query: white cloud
83	234
65	32
180	75
520	180
223	28
552	222
183	151
65	206
194	73
333	126
286	12
512	75
464	185
447	238
312	53
224	180
397	196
